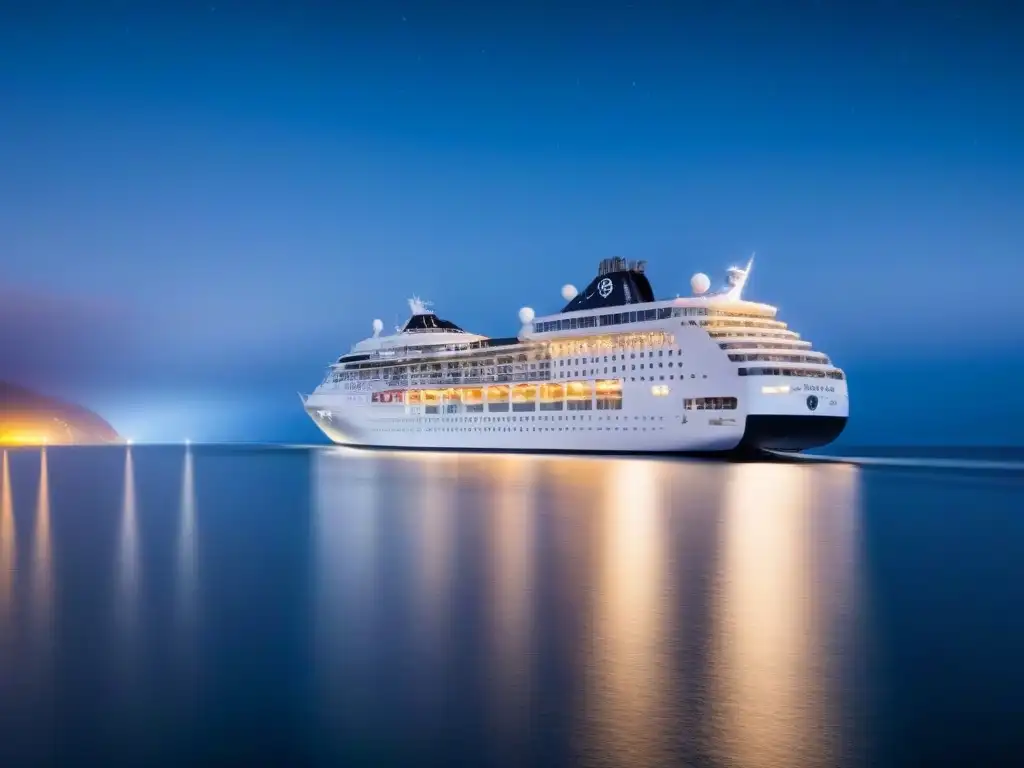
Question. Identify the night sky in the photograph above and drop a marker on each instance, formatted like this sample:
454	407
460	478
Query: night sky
202	204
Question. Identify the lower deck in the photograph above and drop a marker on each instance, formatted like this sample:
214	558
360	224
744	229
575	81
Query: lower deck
602	431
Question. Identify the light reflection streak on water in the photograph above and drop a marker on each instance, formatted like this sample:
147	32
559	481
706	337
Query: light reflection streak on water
631	669
512	588
778	553
434	518
344	529
128	555
8	547
840	599
42	557
770	636
187	546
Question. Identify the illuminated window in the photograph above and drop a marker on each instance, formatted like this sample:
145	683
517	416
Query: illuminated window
710	404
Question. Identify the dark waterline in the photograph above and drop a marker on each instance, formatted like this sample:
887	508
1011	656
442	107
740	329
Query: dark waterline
162	606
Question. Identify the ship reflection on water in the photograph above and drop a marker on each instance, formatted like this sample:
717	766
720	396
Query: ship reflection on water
785	596
168	605
647	610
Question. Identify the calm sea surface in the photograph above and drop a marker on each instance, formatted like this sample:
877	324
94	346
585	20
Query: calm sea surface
164	606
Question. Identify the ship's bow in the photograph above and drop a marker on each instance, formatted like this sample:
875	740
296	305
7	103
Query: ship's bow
334	420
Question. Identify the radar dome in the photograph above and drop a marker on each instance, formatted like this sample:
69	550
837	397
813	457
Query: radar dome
378	326
526	315
569	292
700	283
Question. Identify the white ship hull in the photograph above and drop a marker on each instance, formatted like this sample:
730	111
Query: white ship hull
669	430
585	381
781	420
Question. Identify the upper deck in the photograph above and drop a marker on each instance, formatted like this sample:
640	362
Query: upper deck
616	308
620	295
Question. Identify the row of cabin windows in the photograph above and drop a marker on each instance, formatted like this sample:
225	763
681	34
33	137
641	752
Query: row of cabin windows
615	318
803	372
637	316
566	428
633	355
787	334
763	323
471	362
818	359
603	404
671	377
427	349
416	420
614	369
398	375
710	403
794	345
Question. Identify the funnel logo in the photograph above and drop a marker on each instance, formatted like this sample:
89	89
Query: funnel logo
812	402
605	288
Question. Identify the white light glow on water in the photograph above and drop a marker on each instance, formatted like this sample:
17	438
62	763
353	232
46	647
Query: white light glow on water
128	552
345	530
187	544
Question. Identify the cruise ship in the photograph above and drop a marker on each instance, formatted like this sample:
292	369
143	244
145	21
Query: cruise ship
616	370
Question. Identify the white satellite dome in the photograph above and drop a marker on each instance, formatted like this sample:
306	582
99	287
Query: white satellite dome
526	315
378	326
569	291
700	283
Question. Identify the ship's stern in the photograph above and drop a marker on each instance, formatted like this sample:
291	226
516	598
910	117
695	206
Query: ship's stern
790	413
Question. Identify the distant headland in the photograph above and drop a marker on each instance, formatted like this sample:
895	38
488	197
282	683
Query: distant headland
29	418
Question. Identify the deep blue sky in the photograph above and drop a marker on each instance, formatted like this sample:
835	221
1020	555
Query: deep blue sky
201	204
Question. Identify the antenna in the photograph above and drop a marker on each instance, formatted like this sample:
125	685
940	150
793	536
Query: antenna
736	281
746	272
418	306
